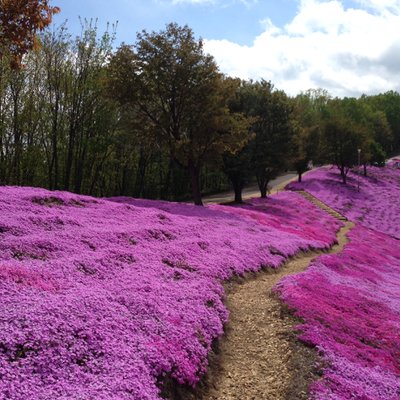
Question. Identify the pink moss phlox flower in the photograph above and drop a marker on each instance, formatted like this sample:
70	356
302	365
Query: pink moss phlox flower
376	205
350	302
103	299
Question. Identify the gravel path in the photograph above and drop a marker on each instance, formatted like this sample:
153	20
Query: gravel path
260	357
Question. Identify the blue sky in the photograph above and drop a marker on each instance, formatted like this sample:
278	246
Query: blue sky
236	20
348	47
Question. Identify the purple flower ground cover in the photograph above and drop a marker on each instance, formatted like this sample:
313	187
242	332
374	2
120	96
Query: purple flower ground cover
350	305
376	205
101	299
350	302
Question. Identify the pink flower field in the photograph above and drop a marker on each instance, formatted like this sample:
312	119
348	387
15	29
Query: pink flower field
376	205
350	302
104	299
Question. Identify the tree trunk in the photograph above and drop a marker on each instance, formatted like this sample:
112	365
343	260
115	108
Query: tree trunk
53	184
300	176
263	192
141	173
78	178
194	172
96	175
238	188
343	175
365	169
80	164
167	183
263	186
70	157
124	181
16	136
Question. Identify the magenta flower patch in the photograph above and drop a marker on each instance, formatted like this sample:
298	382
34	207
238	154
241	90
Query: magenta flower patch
350	302
376	205
101	299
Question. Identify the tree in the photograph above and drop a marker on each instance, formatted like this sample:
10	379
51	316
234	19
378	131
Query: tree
343	136
389	104
306	143
267	153
237	168
382	131
19	22
87	106
378	155
373	128
273	133
309	109
181	97
54	120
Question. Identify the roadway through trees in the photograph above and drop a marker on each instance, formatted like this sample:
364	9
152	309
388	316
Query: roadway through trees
260	356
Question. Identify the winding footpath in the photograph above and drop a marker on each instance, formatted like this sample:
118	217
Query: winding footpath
260	357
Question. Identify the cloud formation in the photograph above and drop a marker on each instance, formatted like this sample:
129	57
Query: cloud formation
348	51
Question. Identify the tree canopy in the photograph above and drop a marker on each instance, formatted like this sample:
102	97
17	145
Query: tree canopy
159	120
19	22
177	90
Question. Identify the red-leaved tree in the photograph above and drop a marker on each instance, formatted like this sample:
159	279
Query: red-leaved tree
19	22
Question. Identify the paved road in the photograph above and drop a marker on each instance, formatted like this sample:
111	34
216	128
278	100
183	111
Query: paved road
276	185
252	191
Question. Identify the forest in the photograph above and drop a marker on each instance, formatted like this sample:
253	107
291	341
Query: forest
157	119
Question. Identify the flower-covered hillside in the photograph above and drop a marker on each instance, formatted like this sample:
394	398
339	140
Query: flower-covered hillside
350	304
377	203
101	299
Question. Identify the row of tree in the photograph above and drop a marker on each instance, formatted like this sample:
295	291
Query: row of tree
158	119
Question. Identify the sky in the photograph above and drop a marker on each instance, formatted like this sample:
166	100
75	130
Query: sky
348	47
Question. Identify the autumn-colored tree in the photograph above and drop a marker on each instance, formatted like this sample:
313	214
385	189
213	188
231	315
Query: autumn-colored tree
19	22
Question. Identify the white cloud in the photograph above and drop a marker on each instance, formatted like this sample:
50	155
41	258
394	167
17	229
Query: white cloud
381	5
348	51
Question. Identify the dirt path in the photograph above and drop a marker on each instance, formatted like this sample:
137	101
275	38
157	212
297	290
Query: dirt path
260	357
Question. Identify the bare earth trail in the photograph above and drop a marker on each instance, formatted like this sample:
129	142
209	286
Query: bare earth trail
260	357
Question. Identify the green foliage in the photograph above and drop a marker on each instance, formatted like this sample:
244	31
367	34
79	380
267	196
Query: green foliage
171	85
310	110
56	125
389	104
267	153
378	155
237	168
157	119
343	136
273	133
